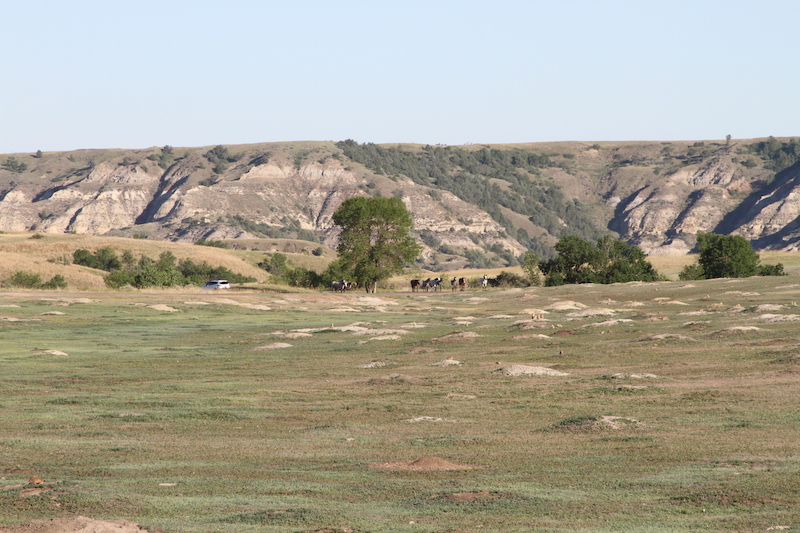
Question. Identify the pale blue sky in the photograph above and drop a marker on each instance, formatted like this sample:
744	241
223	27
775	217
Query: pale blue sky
133	74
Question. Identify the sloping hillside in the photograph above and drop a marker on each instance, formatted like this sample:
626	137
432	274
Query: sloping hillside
472	205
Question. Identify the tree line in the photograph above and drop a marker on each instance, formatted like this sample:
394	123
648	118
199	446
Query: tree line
166	271
468	175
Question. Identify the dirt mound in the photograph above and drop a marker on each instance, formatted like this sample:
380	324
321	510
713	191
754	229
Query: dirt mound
665	337
608	323
472	496
273	346
768	317
424	464
422	349
78	524
447	362
566	305
461	335
394	378
737	330
163	307
523	370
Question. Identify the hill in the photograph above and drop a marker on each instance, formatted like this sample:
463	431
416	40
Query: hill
479	205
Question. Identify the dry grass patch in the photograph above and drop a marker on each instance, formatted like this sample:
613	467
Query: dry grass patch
424	464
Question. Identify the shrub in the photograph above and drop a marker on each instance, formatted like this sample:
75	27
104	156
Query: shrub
692	272
771	270
214	244
56	282
34	281
15	166
509	279
26	280
104	259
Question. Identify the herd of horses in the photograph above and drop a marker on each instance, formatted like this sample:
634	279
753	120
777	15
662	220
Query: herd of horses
430	284
435	284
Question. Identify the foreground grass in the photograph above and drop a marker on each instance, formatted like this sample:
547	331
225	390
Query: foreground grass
167	409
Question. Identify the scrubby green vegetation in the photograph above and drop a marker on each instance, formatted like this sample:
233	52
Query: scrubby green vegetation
221	158
292	229
608	261
28	280
778	155
214	244
468	175
167	271
165	158
727	256
15	165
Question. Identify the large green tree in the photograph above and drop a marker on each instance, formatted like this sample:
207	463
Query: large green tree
374	243
727	256
608	261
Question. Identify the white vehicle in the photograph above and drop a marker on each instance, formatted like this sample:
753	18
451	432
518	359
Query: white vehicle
217	284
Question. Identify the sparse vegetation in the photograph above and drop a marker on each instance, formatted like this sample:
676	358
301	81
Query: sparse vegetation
14	165
374	415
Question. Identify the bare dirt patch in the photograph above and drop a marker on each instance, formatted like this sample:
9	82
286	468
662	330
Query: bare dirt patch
163	307
78	524
394	378
422	349
54	352
525	370
458	336
273	346
375	364
447	362
665	336
608	323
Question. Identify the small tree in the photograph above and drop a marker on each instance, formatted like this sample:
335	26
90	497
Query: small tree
530	265
374	243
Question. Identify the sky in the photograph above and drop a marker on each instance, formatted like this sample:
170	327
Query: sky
134	74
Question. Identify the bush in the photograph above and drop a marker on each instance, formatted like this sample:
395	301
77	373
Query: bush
26	280
105	259
691	273
509	279
34	281
214	244
771	270
56	282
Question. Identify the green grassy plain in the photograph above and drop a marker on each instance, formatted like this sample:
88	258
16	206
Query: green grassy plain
170	410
